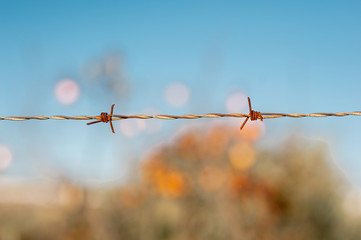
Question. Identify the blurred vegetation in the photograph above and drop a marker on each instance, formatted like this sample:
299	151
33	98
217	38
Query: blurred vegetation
204	184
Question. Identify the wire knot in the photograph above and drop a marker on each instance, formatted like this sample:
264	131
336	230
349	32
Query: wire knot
254	115
105	117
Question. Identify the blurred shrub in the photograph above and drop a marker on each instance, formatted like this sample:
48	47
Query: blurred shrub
206	184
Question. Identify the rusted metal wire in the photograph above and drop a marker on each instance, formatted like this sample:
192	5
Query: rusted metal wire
253	115
104	117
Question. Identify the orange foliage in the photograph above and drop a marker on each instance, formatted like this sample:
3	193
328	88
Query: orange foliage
167	182
238	183
211	178
187	146
215	142
170	183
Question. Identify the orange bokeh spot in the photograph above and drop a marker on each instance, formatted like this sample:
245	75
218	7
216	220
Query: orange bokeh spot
153	164
211	178
166	181
170	183
242	155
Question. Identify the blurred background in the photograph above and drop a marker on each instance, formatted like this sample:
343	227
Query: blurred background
180	179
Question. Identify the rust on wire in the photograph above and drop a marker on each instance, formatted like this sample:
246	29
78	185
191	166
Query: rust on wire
105	117
252	114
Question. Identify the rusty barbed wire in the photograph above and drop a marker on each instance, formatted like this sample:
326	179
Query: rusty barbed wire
253	115
104	117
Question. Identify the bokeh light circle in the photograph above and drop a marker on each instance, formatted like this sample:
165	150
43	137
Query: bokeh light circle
242	155
129	128
142	124
67	91
6	157
177	94
236	103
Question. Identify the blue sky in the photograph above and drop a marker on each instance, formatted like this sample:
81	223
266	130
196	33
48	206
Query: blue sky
288	56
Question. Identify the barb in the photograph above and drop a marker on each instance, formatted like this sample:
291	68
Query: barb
253	115
104	117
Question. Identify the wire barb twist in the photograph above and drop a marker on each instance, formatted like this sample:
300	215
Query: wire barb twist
105	117
252	114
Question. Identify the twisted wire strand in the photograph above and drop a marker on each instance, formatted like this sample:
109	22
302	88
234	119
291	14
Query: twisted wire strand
301	115
57	117
190	116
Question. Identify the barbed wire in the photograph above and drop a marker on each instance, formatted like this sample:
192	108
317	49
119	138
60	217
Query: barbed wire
190	116
253	115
